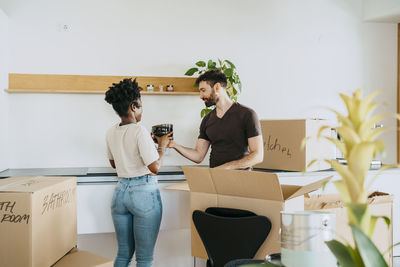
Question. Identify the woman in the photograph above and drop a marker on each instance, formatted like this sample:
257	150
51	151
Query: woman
136	205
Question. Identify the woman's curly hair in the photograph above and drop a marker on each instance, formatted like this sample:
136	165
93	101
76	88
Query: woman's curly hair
121	95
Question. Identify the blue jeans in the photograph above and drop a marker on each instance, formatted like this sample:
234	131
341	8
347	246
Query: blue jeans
136	210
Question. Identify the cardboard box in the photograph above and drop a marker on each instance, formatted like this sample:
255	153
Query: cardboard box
82	258
381	204
282	145
37	220
259	192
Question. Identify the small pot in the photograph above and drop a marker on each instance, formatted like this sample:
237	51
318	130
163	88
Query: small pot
303	237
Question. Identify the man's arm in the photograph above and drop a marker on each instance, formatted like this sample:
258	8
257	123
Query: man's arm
256	155
196	155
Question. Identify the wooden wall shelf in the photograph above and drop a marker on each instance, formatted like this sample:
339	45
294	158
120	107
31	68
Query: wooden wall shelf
93	84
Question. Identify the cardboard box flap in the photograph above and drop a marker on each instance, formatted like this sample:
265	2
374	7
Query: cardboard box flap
181	186
331	201
29	184
199	179
252	184
305	189
289	190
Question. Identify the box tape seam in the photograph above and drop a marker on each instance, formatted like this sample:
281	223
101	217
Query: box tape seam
21	182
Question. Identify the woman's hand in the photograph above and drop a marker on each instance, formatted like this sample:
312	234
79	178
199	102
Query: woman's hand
163	141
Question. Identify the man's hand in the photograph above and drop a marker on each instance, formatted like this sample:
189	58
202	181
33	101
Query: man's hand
171	144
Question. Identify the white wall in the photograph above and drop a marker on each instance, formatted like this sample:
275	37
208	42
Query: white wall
3	96
293	58
382	10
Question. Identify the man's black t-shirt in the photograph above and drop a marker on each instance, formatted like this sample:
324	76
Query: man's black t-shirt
228	135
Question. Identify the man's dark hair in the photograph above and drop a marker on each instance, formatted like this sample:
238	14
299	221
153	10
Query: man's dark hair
212	77
121	95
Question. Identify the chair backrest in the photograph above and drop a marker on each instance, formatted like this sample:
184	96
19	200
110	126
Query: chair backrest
228	212
230	237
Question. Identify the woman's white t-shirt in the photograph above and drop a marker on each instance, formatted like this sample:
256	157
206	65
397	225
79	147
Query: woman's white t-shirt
132	149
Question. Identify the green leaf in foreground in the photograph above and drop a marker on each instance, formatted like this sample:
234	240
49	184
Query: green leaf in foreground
368	251
342	253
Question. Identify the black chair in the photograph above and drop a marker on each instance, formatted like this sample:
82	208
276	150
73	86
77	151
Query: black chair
230	234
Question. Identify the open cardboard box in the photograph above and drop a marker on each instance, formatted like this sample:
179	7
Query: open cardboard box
282	145
37	220
82	258
381	204
259	192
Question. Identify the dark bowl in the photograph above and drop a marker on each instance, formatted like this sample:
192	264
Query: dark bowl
161	129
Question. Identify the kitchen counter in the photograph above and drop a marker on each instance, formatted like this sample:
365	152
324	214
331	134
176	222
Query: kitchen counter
166	173
92	174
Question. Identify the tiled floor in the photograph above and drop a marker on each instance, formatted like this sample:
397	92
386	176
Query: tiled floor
170	250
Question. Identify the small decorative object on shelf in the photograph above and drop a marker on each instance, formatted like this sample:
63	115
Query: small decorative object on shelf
170	88
160	88
150	88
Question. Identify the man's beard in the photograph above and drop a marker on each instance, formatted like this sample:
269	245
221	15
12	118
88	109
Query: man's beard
211	101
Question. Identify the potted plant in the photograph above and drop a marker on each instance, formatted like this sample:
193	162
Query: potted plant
234	85
359	145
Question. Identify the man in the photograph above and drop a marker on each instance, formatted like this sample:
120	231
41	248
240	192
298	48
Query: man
232	130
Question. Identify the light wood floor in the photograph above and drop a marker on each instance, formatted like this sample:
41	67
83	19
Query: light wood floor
172	248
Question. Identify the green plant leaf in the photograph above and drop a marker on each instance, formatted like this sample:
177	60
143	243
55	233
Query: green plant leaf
322	129
211	65
368	251
205	111
220	63
230	64
374	219
309	165
304	142
342	253
389	248
228	72
358	210
324	185
200	64
235	92
191	71
372	225
235	77
387	220
391	166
